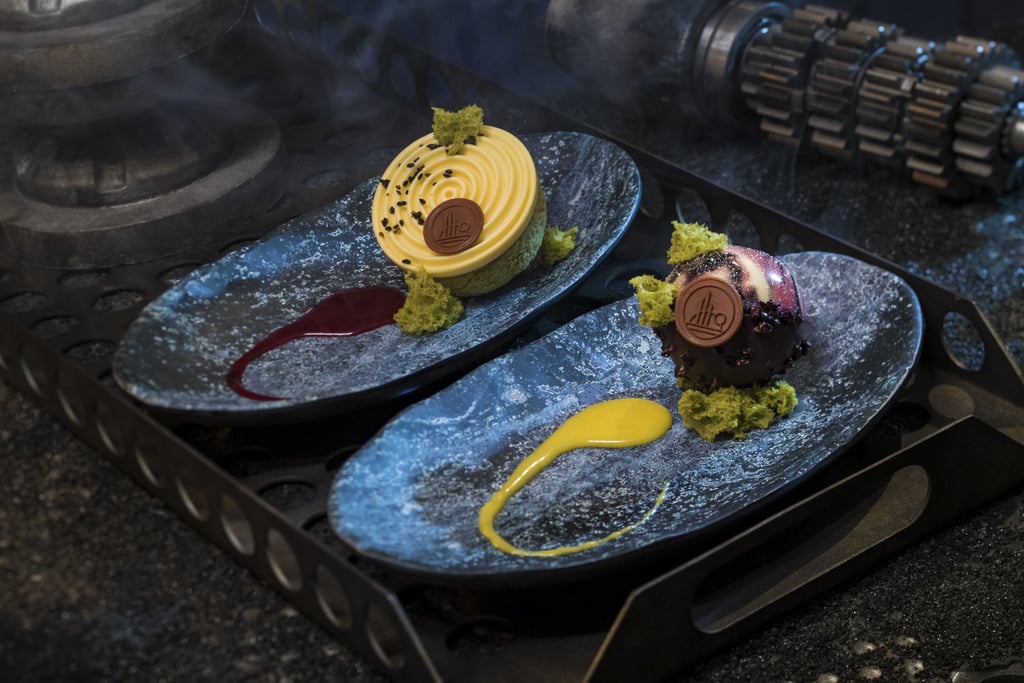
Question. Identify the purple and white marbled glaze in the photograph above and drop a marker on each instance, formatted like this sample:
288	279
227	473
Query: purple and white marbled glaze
768	340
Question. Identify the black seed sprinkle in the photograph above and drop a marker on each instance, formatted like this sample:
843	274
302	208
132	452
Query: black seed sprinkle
401	202
410	165
406	261
384	222
423	201
384	182
471	140
433	145
448	173
401	221
391	209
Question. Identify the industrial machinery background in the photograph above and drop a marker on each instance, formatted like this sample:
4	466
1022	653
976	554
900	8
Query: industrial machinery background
950	113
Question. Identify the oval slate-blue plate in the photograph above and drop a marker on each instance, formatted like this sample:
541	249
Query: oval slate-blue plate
409	498
177	353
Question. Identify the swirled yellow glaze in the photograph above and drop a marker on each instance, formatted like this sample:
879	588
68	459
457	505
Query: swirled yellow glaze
496	172
617	423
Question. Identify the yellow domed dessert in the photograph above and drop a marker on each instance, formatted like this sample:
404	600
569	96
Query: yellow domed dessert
462	204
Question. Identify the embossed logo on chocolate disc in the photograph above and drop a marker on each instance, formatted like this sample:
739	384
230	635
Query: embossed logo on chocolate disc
708	311
453	226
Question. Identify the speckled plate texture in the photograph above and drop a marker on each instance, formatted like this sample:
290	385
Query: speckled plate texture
410	497
177	353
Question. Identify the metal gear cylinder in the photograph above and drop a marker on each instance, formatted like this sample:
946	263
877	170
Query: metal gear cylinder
659	52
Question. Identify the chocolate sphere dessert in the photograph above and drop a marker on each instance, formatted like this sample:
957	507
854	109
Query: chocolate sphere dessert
737	314
728	316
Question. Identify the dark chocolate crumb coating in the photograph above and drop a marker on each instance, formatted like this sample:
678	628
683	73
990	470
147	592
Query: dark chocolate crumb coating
768	340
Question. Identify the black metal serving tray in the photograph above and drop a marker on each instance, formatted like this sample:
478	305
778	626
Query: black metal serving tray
951	442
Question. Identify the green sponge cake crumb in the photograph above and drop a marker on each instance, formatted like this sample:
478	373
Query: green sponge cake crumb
735	411
428	307
656	298
452	128
690	240
557	245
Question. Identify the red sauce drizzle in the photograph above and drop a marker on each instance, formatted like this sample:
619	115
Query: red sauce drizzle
343	314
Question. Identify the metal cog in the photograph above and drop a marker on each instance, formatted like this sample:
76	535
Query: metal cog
982	146
928	126
776	67
884	91
834	82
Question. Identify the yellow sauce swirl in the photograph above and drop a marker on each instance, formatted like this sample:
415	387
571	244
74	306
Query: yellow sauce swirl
497	172
617	423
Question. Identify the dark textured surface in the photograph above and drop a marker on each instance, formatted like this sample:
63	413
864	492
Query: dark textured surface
411	495
99	583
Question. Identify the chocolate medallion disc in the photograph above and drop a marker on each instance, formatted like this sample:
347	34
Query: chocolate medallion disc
708	311
453	226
